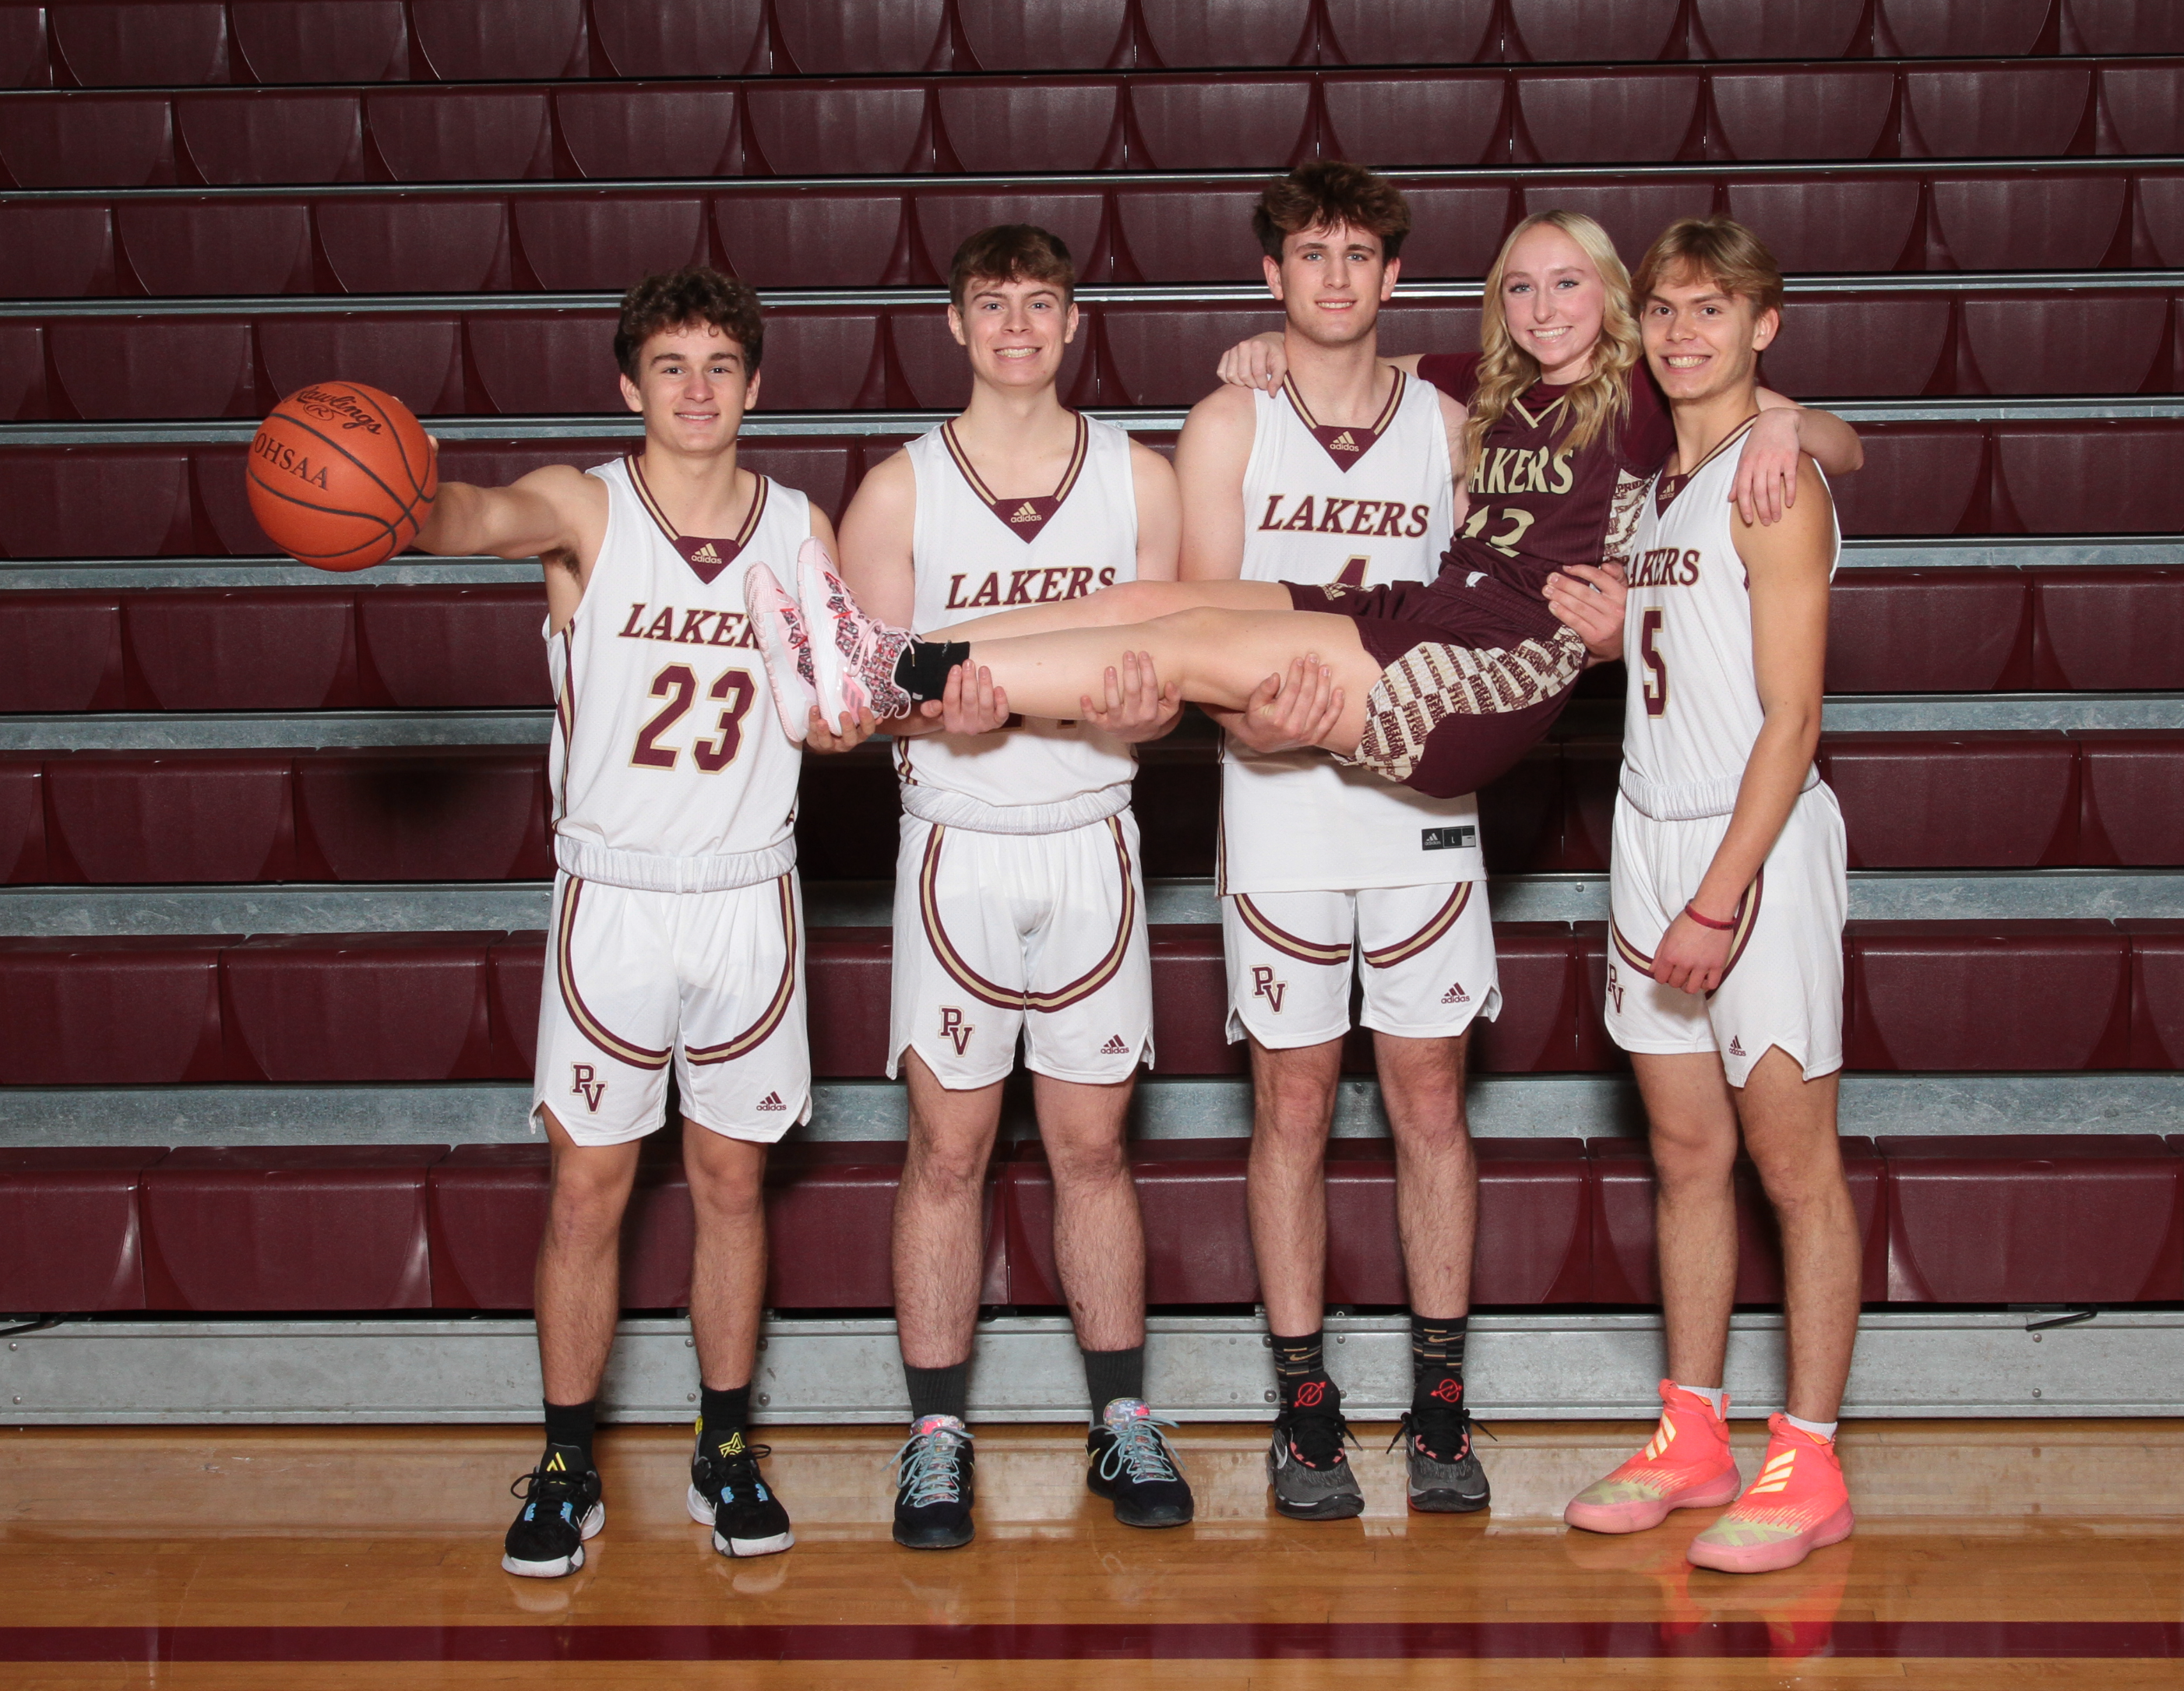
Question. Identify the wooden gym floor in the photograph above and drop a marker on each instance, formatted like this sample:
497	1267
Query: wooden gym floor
1988	1554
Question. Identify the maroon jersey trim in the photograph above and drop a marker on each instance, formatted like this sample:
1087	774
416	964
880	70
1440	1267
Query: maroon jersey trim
1666	489
1021	517
1346	446
707	556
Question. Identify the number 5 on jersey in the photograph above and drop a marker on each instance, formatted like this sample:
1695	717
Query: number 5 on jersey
735	688
1656	677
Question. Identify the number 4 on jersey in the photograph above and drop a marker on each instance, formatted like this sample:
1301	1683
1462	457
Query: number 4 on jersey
735	688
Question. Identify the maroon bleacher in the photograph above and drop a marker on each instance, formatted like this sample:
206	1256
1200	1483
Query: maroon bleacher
1987	997
1981	1219
2029	1218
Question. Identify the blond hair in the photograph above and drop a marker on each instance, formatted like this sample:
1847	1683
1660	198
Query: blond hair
1506	370
1721	250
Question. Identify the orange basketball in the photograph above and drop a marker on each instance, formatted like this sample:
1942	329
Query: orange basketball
341	474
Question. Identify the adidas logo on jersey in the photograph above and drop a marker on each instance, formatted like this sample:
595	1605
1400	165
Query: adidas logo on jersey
772	1100
1342	442
705	555
1114	1047
1026	512
1456	995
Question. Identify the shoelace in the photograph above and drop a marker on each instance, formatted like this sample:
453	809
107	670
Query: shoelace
539	1486
730	1472
1140	1450
1429	1429
1317	1437
927	1468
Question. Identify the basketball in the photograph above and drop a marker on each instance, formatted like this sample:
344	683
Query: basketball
342	476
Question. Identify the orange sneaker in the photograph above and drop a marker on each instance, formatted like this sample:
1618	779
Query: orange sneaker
1795	1505
1686	1465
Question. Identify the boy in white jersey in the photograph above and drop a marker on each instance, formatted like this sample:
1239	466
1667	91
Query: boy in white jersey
676	934
1728	896
1019	903
1344	477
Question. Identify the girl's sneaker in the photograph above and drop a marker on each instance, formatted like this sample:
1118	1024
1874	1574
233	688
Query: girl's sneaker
853	657
784	643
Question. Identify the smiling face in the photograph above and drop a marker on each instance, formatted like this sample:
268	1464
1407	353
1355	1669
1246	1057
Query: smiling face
1553	301
1700	340
1331	281
1014	331
692	387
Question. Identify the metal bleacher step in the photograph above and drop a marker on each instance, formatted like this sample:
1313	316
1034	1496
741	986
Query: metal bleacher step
2004	551
276	730
1167	1107
451	907
1536	1364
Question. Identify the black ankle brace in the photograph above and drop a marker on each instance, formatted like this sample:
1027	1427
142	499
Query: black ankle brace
922	669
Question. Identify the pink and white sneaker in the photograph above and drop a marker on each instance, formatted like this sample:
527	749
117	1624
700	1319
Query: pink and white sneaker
853	657
784	643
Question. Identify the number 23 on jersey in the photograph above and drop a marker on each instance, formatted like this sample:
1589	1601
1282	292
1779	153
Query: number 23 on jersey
678	684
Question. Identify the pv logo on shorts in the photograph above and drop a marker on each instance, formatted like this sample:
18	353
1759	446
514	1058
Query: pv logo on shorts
953	1027
1264	985
580	1073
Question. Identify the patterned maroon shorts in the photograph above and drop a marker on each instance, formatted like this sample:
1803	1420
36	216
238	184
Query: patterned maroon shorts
1468	679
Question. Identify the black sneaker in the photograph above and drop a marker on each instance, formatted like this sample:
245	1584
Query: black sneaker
561	1509
1311	1478
729	1495
1133	1467
1444	1474
934	1485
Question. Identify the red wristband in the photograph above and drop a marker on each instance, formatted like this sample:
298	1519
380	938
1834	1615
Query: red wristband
1691	910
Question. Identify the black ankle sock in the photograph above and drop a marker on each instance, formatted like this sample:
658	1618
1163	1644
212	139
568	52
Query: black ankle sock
569	1426
940	1390
1301	1372
921	670
1437	1359
723	1412
1112	1373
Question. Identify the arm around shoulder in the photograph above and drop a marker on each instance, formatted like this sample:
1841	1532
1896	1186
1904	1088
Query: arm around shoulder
1822	435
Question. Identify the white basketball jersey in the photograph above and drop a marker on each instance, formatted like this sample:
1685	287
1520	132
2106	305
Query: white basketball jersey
973	553
1363	506
1692	711
670	770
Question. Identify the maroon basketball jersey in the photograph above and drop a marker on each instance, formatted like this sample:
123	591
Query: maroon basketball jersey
1538	503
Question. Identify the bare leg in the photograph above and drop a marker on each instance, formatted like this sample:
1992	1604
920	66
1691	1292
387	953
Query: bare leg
1099	1235
1789	1130
1213	657
1693	1125
1436	1175
727	1273
1292	1109
940	1217
578	1290
1129	601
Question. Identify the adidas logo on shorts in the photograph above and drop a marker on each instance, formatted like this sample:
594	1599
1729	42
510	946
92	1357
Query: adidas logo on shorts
1734	1048
772	1100
1114	1047
1456	995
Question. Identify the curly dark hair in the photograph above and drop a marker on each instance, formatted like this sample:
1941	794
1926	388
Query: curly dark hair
1011	252
1321	194
675	298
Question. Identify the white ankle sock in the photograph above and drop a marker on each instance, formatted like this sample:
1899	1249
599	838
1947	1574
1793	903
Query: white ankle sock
1816	1429
1713	1394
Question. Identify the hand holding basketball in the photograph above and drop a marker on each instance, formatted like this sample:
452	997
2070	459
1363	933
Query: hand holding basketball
342	476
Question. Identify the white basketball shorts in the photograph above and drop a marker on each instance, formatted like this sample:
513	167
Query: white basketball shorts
1784	986
1424	956
711	981
1042	934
